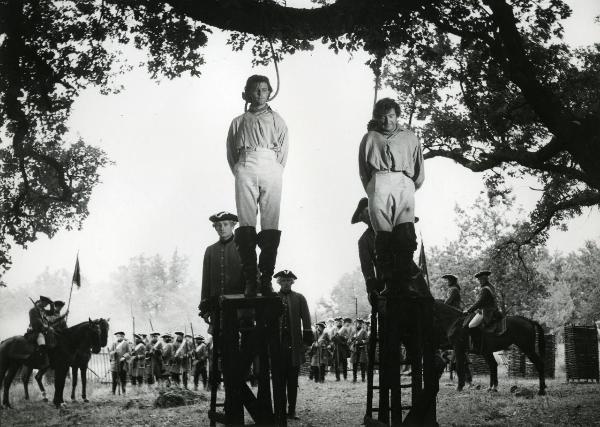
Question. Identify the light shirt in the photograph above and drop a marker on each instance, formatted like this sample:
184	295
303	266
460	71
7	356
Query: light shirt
396	151
264	129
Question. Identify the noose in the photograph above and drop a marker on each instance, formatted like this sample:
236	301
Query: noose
275	61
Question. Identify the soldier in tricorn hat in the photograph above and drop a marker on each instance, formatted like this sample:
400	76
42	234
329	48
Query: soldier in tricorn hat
486	305
38	326
222	267
295	334
453	299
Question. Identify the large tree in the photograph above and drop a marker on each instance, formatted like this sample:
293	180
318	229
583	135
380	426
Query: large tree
507	97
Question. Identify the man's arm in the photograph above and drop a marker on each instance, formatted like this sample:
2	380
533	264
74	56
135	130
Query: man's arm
419	176
363	167
232	154
283	140
307	334
484	299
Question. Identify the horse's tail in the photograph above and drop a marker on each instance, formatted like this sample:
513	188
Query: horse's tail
541	339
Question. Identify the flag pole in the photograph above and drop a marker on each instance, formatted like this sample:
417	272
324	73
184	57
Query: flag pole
424	258
72	281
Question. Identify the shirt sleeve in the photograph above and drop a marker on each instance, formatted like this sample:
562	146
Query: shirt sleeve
282	140
232	155
363	167
419	176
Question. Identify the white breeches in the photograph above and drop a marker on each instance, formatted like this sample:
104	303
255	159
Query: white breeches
41	339
258	178
391	200
476	321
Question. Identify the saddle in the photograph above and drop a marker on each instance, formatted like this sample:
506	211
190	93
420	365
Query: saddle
496	326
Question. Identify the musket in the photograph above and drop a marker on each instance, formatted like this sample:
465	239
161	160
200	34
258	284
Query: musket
151	326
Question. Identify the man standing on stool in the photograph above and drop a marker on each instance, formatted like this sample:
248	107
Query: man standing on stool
257	148
390	161
293	335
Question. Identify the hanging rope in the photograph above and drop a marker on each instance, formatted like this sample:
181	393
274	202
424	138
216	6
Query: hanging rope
376	66
275	62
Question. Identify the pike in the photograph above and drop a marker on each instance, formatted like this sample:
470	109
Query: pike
151	326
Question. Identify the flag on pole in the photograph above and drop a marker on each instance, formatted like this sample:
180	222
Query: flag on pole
76	274
423	262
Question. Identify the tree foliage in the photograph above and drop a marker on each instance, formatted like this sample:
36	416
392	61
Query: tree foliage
494	85
347	298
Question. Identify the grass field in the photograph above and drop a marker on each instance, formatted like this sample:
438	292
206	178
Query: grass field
329	404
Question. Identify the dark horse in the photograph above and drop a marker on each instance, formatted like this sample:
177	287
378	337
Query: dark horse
17	351
522	332
80	362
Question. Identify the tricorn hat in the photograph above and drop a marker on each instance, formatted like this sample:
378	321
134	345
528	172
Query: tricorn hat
362	204
321	323
347	319
178	333
59	303
137	336
45	300
483	273
285	274
451	277
119	333
155	334
359	320
166	336
199	338
223	216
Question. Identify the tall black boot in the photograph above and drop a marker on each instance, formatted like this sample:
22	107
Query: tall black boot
245	240
404	246
268	242
384	259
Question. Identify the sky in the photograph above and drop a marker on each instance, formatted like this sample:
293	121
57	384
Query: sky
167	140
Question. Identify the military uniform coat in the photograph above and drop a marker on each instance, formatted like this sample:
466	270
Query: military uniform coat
358	346
184	356
366	253
299	317
319	351
221	270
38	321
119	353
486	303
138	360
454	299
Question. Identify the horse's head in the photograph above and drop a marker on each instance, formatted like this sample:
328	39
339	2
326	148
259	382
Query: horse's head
103	326
94	333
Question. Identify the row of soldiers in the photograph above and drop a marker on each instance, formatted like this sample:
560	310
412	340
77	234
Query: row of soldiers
157	358
335	342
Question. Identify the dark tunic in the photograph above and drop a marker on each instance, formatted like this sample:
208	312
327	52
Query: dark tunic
37	321
222	270
366	253
295	323
486	303
454	299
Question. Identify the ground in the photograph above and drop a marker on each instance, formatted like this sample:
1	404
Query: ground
329	404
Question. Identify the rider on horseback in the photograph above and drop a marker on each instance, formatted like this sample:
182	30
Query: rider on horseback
486	305
38	326
57	321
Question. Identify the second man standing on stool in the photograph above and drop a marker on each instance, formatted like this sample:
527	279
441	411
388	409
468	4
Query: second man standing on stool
257	148
390	162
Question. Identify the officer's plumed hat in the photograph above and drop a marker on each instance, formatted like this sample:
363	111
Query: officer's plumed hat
223	216
483	273
45	300
285	274
362	204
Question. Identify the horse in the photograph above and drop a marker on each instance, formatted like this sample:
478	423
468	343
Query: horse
80	361
520	331
17	351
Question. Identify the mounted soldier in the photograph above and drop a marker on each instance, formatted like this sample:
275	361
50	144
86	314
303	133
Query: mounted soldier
58	321
39	328
453	299
486	306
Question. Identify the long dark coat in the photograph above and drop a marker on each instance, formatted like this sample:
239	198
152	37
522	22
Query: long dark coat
221	270
299	323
